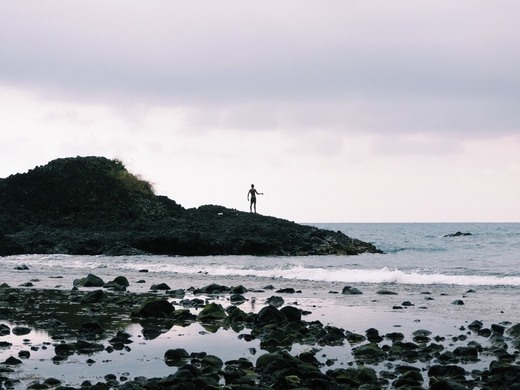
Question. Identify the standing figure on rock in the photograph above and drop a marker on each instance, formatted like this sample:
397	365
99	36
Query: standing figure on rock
253	193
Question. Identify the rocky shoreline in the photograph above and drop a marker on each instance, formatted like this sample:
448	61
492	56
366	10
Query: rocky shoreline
94	206
91	319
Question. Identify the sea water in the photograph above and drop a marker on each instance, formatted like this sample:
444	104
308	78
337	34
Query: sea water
417	253
422	264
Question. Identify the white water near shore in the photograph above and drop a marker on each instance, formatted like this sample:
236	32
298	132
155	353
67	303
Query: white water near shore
422	266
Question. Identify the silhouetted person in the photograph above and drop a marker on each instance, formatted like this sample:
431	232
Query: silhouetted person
253	193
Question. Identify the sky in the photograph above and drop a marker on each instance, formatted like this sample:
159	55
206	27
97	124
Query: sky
338	111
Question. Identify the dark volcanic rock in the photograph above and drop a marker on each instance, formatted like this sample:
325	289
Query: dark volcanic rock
349	290
211	312
270	314
93	205
95	296
155	308
89	281
291	313
457	234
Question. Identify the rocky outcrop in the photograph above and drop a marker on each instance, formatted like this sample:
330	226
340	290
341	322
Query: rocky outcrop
93	205
458	234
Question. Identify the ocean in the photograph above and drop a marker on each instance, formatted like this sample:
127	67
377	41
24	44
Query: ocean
426	270
415	253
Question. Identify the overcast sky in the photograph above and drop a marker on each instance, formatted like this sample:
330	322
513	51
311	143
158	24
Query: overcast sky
339	111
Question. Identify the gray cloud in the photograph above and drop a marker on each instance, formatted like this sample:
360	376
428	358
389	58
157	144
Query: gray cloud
436	66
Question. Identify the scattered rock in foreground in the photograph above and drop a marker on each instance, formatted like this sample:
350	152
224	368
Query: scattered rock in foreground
67	317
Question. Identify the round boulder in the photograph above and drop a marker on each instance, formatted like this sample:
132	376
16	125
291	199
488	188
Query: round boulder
349	290
292	313
89	281
212	312
270	314
156	308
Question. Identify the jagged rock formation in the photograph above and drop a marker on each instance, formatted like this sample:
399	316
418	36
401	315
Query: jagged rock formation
93	205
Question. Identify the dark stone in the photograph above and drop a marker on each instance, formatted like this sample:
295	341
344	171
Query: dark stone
21	330
94	327
354	338
237	299
151	333
422	336
448	371
502	377
386	292
114	286
514	331
498	329
291	313
409	378
444	384
275	301
395	336
213	362
373	335
24	354
212	312
238	290
349	290
457	234
121	280
466	353
155	308
160	286
175	357
475	326
93	205
274	362
269	315
458	302
12	361
52	382
195	303
235	314
4	330
86	347
370	353
334	336
289	290
212	289
94	297
64	349
89	281
179	293
121	337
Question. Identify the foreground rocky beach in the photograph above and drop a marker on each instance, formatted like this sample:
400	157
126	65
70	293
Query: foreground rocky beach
270	338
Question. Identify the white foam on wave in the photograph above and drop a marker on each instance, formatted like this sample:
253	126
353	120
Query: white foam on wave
294	270
345	275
